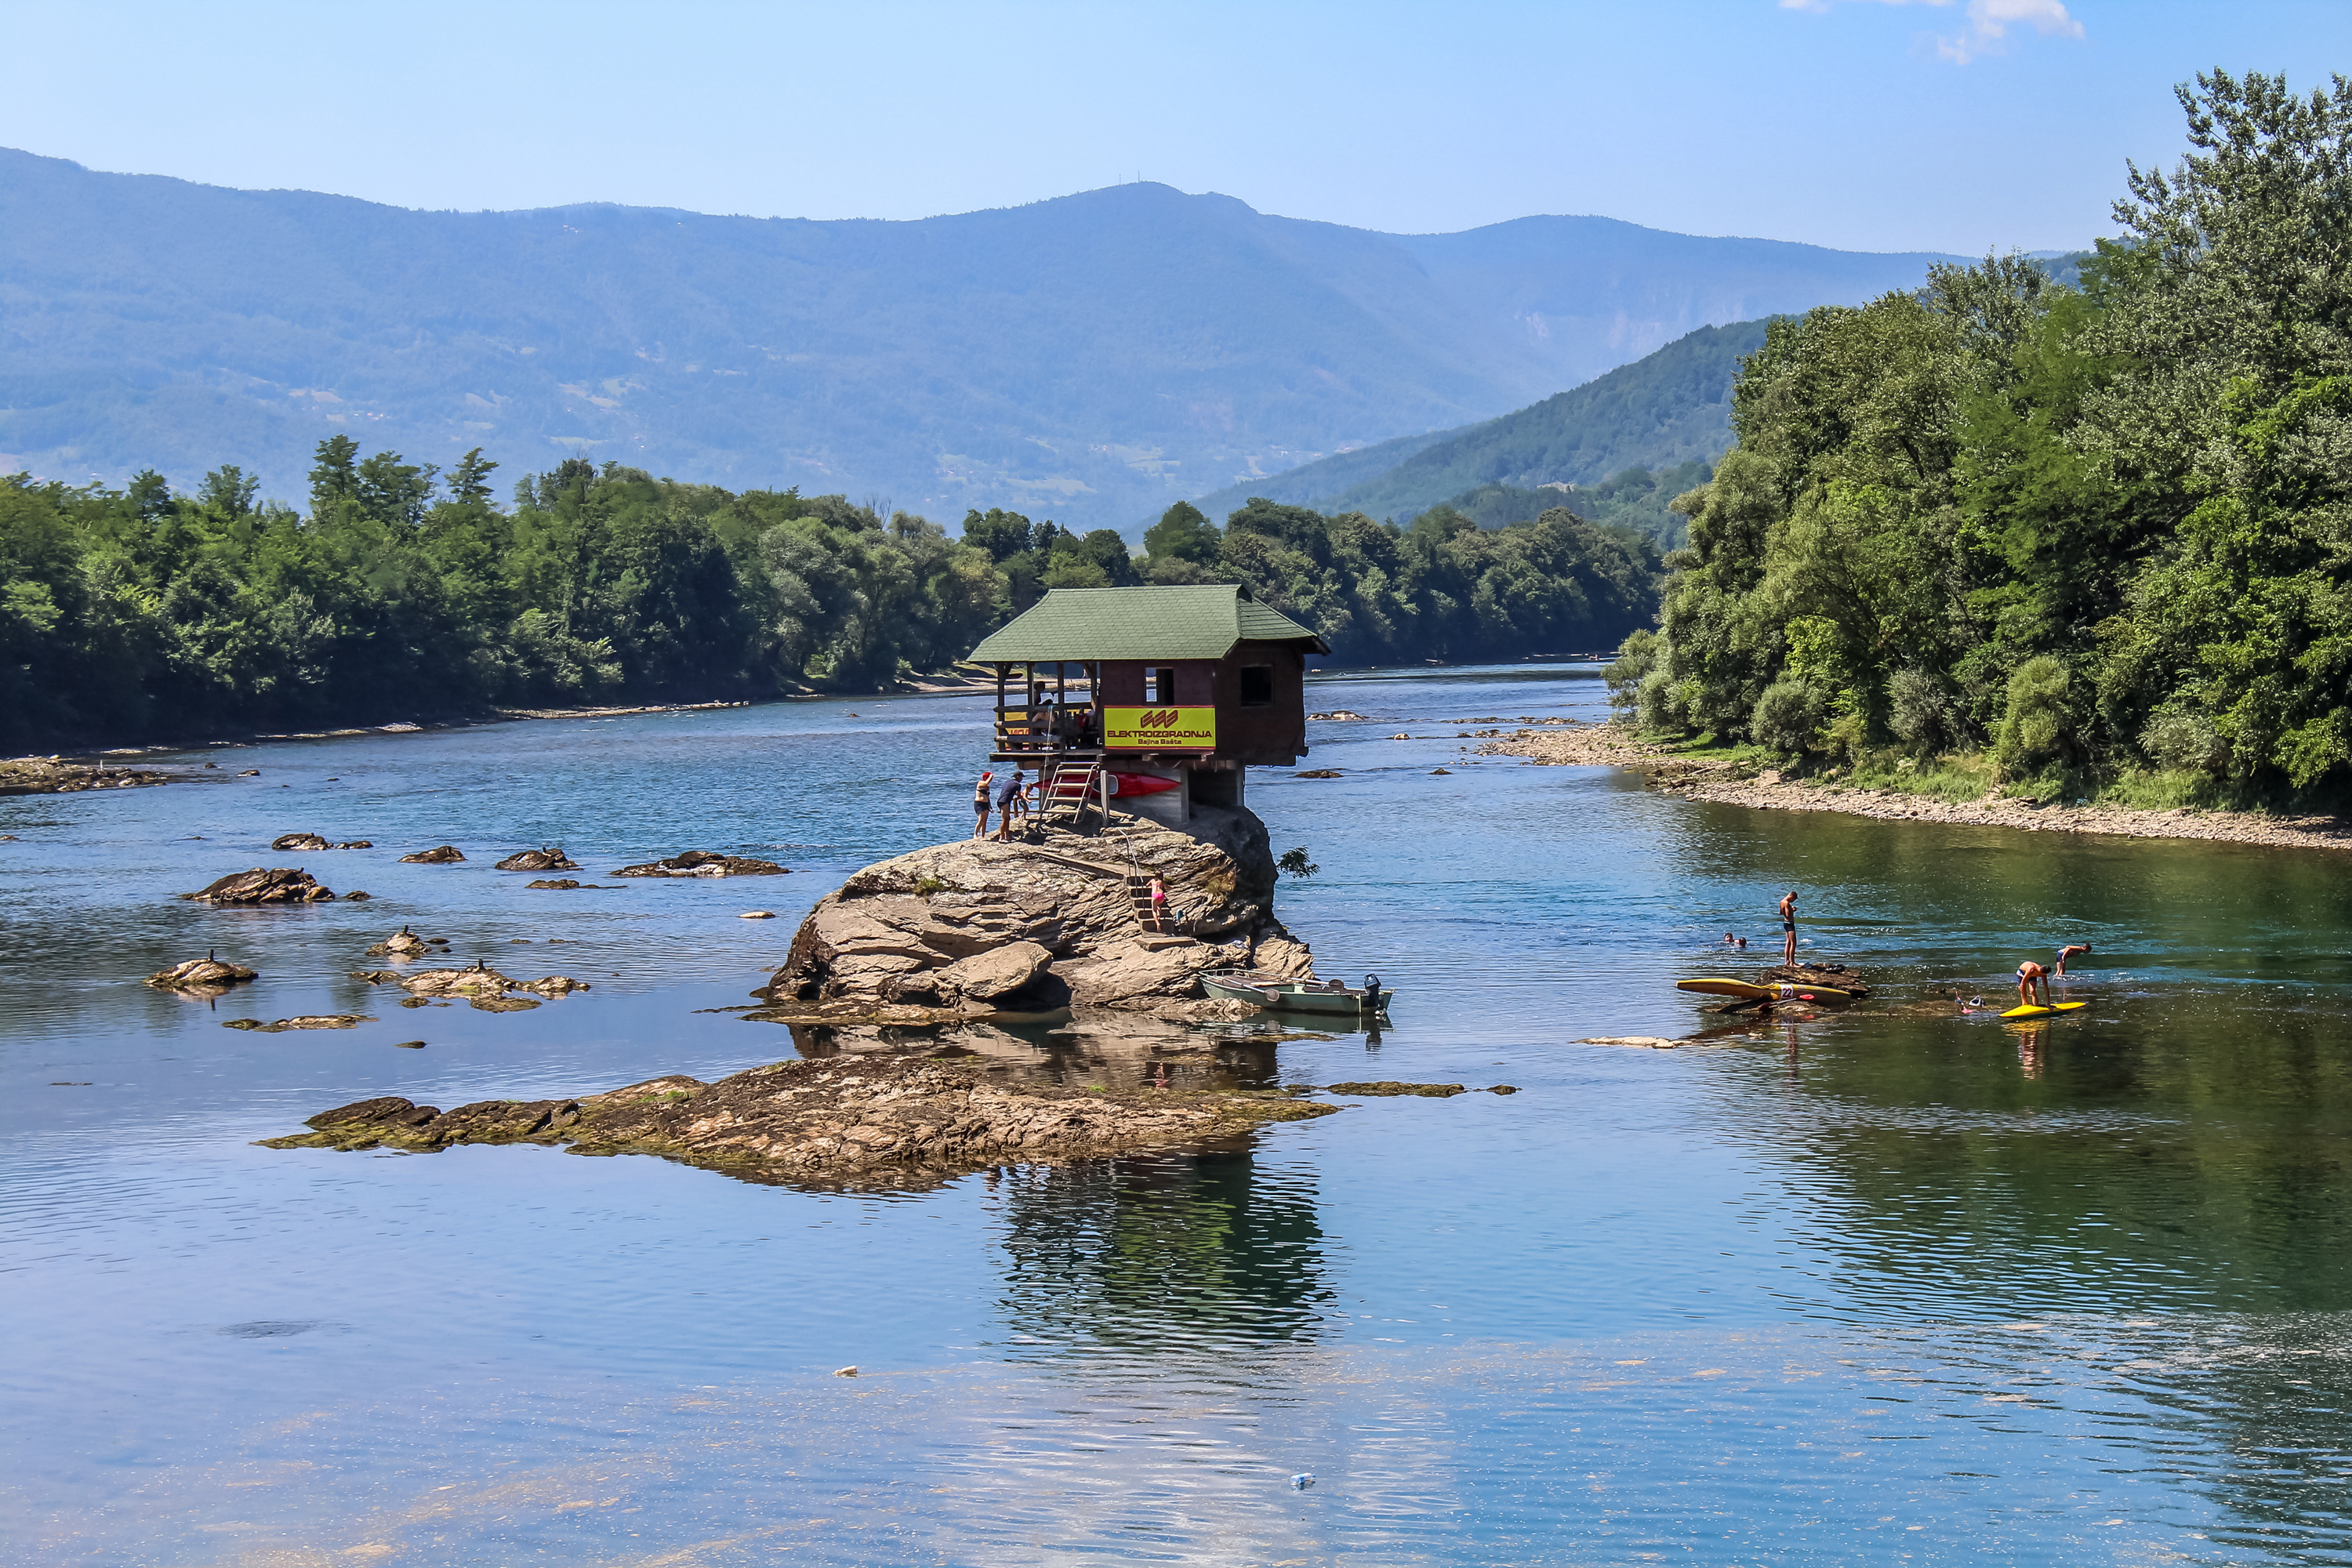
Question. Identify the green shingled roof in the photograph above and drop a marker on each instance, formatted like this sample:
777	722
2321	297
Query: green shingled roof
1200	621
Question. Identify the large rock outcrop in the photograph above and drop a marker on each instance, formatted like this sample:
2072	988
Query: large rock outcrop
977	927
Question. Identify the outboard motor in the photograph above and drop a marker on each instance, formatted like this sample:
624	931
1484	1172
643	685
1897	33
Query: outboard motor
1371	1002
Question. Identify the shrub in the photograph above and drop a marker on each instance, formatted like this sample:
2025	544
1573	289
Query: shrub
1786	717
2038	730
2185	743
1654	704
1636	661
1919	711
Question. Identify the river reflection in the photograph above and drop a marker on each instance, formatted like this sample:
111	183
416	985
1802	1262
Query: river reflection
1195	1253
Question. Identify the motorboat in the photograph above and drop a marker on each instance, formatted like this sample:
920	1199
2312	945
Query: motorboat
1299	995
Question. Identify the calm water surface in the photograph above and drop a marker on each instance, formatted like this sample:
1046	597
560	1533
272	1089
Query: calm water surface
1891	1285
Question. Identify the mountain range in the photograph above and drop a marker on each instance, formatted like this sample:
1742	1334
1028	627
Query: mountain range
1090	358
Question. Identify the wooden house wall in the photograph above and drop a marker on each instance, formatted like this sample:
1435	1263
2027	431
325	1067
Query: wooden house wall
1272	735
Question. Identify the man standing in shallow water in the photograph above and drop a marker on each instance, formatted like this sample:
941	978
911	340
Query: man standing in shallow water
1789	929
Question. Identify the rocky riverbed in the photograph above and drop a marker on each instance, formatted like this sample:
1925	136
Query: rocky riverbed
895	1121
54	776
1613	745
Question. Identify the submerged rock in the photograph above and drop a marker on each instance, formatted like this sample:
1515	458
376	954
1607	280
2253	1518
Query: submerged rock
448	854
478	982
1389	1086
553	859
705	863
207	974
308	1021
889	1120
901	934
290	843
402	943
264	885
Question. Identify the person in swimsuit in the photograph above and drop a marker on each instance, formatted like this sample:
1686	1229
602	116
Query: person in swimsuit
979	806
1004	791
2030	974
1159	905
1789	929
2067	951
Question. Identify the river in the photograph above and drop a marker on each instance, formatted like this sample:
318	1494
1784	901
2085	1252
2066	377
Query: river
1881	1286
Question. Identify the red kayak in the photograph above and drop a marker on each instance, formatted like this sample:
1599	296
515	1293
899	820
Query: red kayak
1139	783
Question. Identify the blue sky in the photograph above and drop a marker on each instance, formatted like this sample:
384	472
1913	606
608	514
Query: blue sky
1863	124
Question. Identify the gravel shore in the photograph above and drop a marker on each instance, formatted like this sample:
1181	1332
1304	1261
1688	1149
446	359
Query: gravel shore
1611	746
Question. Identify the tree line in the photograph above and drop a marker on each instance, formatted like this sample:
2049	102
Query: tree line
144	614
2099	536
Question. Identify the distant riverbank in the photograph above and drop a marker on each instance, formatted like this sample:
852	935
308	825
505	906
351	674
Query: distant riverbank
76	768
1616	745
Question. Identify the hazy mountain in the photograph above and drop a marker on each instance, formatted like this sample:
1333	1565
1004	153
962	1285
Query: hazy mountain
1089	358
1667	409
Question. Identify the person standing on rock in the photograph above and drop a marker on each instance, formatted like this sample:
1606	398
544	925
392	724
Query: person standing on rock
1789	929
979	804
1159	906
1004	790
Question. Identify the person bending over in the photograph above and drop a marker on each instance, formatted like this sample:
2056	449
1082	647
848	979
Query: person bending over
2031	975
2068	952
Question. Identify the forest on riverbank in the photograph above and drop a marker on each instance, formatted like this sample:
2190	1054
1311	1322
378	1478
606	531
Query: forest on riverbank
2061	539
144	615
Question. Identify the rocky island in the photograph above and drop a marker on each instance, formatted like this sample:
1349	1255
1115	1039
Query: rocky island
1058	920
898	1121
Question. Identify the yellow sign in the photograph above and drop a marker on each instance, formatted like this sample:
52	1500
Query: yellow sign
1160	729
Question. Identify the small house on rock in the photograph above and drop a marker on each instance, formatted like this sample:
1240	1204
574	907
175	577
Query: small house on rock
1156	697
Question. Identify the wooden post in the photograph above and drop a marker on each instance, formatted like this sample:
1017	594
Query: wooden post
1000	707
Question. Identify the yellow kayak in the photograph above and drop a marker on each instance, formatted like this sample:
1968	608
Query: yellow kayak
2041	1012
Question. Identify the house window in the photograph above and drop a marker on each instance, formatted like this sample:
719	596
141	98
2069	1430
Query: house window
1163	688
1257	686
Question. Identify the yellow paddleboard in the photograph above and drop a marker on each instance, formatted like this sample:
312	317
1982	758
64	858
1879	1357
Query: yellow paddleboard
2038	1012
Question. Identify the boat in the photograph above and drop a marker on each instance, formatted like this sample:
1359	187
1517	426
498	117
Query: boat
1299	995
1125	784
